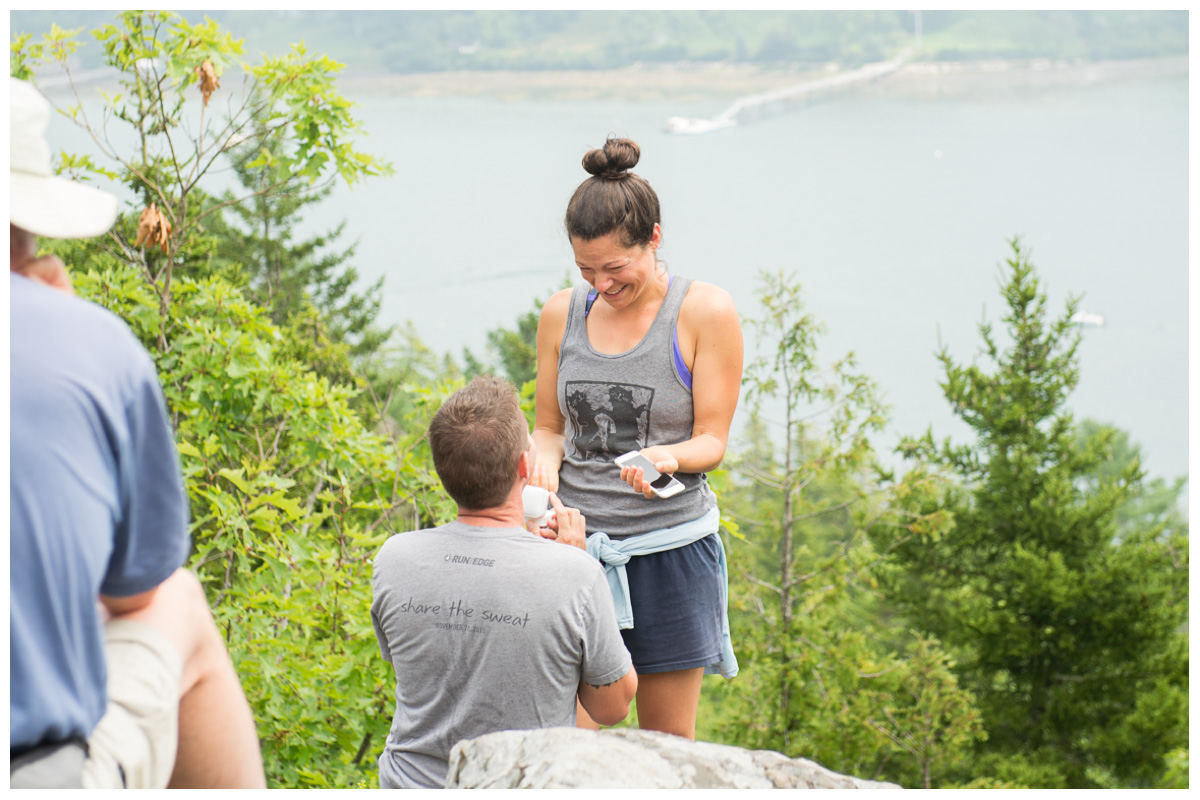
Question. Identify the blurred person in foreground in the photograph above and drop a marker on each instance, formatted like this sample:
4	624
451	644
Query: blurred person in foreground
119	677
489	626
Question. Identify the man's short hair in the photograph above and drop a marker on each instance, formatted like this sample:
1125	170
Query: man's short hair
477	437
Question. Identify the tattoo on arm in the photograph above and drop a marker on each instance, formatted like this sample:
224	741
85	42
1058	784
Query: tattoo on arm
601	685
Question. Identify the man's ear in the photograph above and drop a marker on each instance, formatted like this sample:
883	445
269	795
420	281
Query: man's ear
525	465
22	248
50	271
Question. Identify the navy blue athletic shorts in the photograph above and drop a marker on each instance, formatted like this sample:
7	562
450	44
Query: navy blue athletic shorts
677	600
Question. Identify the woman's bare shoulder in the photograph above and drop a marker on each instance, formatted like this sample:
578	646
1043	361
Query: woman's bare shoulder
707	302
560	299
553	320
556	307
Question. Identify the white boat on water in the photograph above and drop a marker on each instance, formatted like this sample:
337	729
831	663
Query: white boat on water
1087	318
691	125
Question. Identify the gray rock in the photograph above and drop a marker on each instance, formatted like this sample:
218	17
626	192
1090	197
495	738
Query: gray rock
572	758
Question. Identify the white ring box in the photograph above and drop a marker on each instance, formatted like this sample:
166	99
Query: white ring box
537	501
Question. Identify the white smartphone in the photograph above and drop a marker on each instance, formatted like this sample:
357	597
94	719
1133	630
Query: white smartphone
661	483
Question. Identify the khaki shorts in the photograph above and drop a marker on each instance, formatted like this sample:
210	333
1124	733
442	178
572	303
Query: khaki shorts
134	744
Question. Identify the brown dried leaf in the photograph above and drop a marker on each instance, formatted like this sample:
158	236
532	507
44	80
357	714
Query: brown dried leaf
147	222
164	232
153	228
209	82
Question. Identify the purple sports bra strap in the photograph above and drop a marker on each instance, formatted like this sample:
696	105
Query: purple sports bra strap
685	374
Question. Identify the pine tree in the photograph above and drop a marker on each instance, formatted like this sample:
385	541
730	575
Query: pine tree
291	277
513	350
1070	636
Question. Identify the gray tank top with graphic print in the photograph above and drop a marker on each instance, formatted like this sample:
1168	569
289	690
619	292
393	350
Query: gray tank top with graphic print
612	404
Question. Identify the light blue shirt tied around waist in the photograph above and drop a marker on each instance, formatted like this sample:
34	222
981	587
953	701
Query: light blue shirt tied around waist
616	554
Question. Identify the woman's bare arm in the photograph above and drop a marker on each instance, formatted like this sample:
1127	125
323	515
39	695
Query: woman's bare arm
711	336
548	423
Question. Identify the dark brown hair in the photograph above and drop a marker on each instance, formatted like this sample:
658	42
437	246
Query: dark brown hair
477	437
613	199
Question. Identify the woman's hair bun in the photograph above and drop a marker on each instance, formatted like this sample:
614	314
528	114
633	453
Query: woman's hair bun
613	199
614	159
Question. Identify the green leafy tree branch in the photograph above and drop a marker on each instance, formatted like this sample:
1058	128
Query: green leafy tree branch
168	67
820	677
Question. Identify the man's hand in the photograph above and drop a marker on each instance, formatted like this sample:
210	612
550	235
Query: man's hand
49	270
569	526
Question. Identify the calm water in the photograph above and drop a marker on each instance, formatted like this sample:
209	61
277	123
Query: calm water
894	213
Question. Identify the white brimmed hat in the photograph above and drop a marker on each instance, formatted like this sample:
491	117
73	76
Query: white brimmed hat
39	201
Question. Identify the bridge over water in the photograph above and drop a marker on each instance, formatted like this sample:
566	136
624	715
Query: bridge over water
729	116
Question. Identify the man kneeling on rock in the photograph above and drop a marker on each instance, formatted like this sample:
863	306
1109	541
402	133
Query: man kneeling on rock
490	627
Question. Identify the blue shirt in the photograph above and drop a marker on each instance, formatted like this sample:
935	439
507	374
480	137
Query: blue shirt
96	502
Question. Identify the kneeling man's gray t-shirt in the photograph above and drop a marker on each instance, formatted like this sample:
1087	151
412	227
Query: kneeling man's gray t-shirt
487	629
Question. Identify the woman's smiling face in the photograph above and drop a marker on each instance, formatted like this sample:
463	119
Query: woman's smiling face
619	273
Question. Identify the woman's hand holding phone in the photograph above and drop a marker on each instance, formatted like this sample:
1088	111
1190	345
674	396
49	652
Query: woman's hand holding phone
650	472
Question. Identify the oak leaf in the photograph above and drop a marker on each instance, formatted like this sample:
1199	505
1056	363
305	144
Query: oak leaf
153	228
209	82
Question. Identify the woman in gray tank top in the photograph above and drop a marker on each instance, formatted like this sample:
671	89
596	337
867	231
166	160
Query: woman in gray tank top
642	360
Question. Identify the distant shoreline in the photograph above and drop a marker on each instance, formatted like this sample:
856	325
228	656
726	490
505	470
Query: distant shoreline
727	81
719	81
955	78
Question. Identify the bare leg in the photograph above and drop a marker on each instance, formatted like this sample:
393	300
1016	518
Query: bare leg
667	701
218	743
